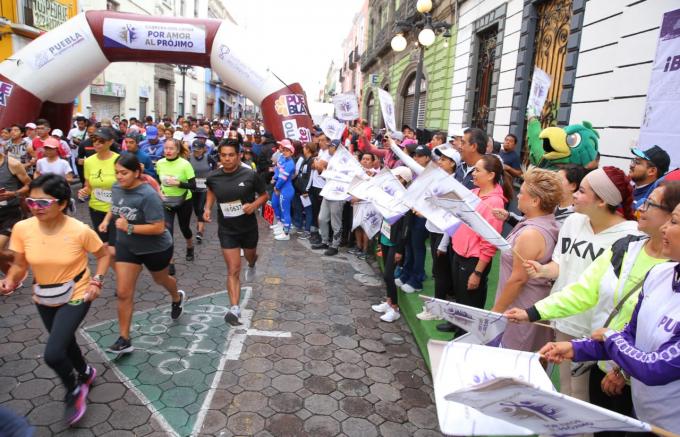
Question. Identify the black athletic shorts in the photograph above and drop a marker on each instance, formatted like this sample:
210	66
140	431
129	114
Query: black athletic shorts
97	218
155	262
10	218
245	240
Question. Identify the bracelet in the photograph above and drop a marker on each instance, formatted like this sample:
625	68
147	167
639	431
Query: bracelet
96	283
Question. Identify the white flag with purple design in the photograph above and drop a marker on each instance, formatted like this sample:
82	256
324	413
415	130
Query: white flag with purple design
385	192
341	170
387	109
346	106
542	411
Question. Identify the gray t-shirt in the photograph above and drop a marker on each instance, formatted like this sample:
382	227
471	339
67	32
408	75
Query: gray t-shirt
140	206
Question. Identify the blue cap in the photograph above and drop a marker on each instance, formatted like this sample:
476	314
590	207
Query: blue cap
151	132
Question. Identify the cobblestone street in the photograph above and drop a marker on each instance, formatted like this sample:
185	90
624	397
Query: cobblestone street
310	359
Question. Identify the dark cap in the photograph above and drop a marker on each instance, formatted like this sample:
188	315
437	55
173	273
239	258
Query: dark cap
268	135
657	156
198	144
105	133
132	135
423	151
335	143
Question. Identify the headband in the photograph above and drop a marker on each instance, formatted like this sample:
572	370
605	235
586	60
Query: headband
604	187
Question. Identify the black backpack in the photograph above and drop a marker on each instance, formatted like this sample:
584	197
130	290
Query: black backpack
302	180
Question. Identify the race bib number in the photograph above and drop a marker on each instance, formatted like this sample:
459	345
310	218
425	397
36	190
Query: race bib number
168	180
102	195
200	183
232	209
385	229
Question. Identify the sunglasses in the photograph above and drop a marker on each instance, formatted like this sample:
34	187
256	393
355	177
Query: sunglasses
40	203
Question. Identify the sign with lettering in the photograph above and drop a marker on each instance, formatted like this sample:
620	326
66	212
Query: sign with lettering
151	35
58	48
5	92
291	104
48	14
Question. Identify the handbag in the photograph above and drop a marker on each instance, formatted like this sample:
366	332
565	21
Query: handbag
56	294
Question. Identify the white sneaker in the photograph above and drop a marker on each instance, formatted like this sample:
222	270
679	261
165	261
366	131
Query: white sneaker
381	308
426	315
282	236
275	225
390	316
278	231
408	289
398	282
249	274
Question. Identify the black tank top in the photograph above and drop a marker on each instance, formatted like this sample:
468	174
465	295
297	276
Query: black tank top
9	182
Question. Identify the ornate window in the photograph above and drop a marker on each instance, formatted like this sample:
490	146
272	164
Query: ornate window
409	98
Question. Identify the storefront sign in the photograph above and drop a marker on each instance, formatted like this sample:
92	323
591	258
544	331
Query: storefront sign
48	14
108	89
148	35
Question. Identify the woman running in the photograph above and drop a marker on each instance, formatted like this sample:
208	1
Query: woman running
239	192
63	289
282	200
203	164
99	171
177	181
142	239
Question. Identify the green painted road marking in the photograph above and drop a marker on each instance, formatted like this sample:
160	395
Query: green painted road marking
176	362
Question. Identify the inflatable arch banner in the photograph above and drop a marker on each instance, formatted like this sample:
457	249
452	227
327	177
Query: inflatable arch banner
44	78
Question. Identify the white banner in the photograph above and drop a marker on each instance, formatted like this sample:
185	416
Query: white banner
540	85
346	107
153	35
660	123
486	326
385	192
387	108
332	128
365	215
457	366
342	167
546	412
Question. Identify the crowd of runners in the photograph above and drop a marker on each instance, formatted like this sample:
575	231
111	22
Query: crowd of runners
594	248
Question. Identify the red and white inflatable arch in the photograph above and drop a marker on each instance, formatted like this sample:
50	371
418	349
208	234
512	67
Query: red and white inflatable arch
45	77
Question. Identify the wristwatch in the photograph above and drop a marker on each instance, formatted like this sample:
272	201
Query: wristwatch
478	273
608	333
98	278
131	228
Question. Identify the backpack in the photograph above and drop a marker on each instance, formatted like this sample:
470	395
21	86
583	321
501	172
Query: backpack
302	180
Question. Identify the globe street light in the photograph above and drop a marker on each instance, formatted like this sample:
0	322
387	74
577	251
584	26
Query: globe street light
398	43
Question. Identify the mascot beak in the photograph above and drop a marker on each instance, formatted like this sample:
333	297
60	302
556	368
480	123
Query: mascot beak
554	143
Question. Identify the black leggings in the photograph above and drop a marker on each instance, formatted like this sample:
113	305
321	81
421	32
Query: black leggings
198	202
183	213
315	197
622	403
441	268
461	269
388	253
62	352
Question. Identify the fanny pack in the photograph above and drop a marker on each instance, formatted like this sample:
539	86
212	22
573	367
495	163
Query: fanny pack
56	294
172	202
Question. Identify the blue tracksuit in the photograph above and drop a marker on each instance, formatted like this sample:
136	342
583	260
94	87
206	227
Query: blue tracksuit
283	183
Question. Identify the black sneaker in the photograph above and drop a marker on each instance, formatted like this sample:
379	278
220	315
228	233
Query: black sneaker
171	269
121	346
315	238
331	251
75	404
320	246
190	254
199	237
231	319
176	309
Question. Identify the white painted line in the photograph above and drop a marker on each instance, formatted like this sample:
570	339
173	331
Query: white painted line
280	334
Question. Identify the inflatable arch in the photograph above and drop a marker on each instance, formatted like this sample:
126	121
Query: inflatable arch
45	77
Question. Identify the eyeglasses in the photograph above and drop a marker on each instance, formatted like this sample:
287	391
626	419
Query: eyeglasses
647	203
640	161
40	203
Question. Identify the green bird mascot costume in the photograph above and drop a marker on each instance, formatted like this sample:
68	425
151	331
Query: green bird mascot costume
575	144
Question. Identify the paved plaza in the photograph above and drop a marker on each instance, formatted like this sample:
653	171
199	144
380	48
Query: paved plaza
311	358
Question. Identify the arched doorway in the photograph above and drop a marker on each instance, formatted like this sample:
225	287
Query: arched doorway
409	97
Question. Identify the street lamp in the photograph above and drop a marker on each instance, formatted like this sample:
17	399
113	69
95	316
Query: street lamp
427	33
183	71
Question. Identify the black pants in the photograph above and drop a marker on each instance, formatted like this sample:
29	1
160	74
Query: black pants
183	213
316	199
198	202
622	403
388	253
441	268
347	234
461	269
62	352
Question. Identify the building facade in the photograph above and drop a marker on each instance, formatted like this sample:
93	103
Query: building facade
351	77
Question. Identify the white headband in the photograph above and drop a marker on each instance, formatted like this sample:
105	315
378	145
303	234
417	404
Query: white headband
604	187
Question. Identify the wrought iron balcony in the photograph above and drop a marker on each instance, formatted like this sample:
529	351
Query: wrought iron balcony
382	37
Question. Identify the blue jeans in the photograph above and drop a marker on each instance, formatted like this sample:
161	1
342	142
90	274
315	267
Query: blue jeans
413	270
297	211
309	217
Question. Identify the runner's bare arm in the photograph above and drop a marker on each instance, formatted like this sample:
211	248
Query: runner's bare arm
20	172
209	202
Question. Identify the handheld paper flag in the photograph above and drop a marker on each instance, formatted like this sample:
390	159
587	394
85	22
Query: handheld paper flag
346	106
542	411
332	128
341	170
460	366
387	108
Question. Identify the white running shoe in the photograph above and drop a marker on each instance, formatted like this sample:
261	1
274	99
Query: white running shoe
249	274
426	315
398	282
275	225
390	316
282	236
381	308
406	288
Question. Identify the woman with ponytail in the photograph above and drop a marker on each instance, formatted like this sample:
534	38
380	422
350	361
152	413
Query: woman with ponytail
602	215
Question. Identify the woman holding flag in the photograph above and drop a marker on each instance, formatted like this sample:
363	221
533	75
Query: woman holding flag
648	348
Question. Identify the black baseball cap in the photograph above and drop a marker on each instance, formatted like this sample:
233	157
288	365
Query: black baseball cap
422	151
657	156
104	133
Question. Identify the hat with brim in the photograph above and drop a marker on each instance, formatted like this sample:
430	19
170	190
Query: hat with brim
104	133
286	144
403	172
51	143
657	156
449	152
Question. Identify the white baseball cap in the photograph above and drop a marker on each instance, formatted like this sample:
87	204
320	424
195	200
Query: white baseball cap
450	153
57	133
30	126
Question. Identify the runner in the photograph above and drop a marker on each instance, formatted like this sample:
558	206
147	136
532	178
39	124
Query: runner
177	180
142	239
13	184
203	164
239	192
51	163
99	172
63	289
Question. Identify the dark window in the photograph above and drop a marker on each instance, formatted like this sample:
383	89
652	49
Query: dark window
409	102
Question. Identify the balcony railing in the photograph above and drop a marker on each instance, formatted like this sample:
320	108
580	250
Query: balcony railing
383	36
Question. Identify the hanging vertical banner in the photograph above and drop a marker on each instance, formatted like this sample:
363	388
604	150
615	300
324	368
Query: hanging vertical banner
387	108
346	107
660	125
540	84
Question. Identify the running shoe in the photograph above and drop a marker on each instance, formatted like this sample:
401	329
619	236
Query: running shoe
304	235
381	307
190	254
88	377
177	307
331	251
232	318
398	282
407	288
75	404
354	251
320	246
282	237
121	346
171	269
199	237
249	274
426	315
390	316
